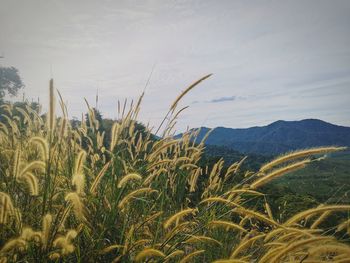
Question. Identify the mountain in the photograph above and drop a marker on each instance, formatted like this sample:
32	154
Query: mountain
279	137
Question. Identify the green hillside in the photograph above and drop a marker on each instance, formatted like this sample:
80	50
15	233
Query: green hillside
327	180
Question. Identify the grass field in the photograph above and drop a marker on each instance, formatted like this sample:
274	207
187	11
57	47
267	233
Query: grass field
69	193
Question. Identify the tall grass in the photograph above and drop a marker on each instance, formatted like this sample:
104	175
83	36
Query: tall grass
68	196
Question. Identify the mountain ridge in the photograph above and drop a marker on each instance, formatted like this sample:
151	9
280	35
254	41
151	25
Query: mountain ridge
278	137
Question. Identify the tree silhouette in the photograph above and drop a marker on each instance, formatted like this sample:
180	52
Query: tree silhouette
10	81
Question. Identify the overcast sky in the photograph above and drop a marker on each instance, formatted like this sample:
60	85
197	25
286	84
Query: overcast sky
271	60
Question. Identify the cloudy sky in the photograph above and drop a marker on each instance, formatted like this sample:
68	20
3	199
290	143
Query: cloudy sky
270	60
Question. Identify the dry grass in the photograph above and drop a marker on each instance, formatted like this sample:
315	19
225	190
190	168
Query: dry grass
65	198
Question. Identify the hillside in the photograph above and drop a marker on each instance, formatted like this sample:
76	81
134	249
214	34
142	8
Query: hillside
327	180
279	137
253	162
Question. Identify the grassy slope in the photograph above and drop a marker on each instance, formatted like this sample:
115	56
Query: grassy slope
324	181
327	180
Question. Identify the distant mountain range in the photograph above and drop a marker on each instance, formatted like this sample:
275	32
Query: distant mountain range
279	137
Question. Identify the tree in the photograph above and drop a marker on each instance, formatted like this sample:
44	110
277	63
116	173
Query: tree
10	81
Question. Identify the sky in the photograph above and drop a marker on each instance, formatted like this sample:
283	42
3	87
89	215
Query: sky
271	60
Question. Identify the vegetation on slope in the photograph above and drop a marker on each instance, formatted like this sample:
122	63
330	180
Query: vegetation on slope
279	137
326	181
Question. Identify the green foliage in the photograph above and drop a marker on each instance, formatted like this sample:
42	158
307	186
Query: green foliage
213	153
10	81
326	180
